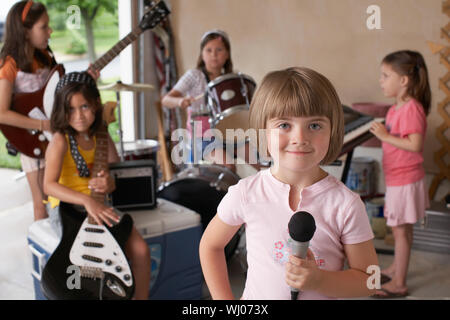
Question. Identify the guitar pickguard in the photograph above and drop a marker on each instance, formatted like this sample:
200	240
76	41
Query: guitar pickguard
95	248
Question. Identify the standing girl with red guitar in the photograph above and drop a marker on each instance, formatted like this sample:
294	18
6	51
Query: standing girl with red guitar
25	64
72	176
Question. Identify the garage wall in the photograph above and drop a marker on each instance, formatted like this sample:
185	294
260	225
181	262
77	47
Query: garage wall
329	36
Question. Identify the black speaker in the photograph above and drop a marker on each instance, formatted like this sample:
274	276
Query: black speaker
135	184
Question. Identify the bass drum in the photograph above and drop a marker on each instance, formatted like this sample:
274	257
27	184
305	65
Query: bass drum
201	188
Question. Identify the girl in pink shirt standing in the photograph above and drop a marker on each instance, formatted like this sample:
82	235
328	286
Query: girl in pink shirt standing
301	117
404	76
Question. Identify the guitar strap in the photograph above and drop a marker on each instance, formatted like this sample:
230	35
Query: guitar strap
82	168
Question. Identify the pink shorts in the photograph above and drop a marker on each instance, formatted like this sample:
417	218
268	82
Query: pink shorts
31	164
405	204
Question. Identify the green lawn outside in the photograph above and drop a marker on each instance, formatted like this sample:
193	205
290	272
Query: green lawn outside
106	33
7	161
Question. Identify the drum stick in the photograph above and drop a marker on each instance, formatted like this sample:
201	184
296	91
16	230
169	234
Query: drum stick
199	96
164	155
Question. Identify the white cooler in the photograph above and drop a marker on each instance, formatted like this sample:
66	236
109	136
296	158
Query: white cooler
173	234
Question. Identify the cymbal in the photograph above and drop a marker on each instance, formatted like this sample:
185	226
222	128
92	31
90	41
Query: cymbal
119	86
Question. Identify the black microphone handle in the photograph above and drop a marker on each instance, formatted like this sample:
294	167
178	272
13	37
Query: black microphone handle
298	249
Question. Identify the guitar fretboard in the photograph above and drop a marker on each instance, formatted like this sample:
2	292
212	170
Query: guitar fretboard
100	163
117	48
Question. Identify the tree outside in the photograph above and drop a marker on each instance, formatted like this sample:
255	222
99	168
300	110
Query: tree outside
88	24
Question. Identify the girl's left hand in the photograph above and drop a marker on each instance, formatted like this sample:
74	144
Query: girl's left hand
379	130
95	74
103	183
303	274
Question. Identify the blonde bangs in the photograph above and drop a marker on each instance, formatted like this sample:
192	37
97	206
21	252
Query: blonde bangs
299	92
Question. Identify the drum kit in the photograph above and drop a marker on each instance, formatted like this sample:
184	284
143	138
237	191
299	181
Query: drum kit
200	187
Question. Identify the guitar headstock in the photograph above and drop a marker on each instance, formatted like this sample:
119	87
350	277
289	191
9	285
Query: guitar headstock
154	16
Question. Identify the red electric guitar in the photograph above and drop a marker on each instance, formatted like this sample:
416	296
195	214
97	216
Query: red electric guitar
39	104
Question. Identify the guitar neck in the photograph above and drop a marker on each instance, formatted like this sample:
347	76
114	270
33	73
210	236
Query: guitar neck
100	163
101	62
152	17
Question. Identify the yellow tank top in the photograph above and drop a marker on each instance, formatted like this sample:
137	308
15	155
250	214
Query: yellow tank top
69	174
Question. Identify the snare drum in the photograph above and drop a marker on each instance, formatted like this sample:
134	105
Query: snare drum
139	149
201	188
228	99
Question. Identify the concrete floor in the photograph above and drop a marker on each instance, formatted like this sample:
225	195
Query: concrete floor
428	277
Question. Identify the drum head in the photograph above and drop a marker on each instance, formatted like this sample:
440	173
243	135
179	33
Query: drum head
139	147
195	194
230	93
236	120
229	98
197	189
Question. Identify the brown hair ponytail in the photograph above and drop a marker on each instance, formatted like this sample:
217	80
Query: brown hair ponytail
412	64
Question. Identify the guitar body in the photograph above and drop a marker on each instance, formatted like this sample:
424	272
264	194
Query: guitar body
59	277
33	143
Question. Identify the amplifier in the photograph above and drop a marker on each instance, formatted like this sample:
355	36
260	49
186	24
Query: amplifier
135	184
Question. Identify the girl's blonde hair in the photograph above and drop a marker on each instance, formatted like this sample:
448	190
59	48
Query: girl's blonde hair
299	92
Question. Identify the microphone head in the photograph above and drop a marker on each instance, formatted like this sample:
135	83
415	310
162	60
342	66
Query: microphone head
302	226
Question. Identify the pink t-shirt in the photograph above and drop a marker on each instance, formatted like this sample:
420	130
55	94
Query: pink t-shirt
403	167
262	203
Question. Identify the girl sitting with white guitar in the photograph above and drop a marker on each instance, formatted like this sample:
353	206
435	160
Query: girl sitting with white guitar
73	177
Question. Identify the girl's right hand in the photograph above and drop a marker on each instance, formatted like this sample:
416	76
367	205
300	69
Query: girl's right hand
101	213
186	102
303	274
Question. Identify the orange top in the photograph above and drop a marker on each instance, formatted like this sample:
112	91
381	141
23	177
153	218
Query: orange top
9	69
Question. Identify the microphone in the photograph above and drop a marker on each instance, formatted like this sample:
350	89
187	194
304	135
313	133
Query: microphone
301	230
